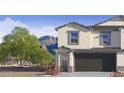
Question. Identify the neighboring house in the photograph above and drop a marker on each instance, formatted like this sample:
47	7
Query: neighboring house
91	48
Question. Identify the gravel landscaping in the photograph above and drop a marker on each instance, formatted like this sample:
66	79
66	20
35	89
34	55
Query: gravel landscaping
21	74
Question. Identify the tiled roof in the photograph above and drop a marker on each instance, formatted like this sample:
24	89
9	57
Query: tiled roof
99	50
116	18
75	23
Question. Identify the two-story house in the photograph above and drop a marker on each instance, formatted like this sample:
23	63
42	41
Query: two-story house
91	48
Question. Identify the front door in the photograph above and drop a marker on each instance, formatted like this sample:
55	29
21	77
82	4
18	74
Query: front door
64	63
64	66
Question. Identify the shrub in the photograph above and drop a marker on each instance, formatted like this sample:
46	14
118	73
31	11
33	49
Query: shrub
55	71
118	74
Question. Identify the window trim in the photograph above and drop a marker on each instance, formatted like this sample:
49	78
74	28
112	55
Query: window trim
101	40
69	38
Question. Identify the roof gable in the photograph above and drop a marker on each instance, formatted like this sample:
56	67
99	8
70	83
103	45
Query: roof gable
71	24
115	21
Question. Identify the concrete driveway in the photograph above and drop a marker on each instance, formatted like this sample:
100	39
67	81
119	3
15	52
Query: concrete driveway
84	74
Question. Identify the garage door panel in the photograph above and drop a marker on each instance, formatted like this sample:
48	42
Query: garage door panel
89	65
89	62
95	62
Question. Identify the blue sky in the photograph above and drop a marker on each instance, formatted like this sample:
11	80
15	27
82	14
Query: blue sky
54	20
41	25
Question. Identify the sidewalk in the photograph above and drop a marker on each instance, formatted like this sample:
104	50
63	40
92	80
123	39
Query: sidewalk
84	74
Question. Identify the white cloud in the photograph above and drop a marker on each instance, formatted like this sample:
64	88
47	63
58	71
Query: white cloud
44	30
8	24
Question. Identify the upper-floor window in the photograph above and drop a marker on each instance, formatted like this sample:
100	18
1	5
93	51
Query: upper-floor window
105	38
74	37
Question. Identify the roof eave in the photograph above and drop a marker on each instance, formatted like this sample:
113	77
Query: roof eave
75	23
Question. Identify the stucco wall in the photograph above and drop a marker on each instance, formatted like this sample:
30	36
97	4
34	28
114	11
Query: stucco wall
89	39
115	39
71	62
120	59
95	39
84	37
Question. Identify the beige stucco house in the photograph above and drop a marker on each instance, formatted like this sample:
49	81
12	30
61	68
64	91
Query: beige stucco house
91	48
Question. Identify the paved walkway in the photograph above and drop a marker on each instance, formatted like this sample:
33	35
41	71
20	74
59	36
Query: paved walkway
85	74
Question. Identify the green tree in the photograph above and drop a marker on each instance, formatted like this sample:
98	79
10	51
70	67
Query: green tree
23	47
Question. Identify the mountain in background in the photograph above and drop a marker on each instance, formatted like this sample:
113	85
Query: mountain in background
48	43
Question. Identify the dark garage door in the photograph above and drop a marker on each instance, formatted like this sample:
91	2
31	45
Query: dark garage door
95	62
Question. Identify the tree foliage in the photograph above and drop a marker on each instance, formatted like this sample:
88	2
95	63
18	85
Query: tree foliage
23	47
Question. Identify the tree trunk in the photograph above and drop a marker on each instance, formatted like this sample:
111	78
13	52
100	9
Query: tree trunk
21	63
